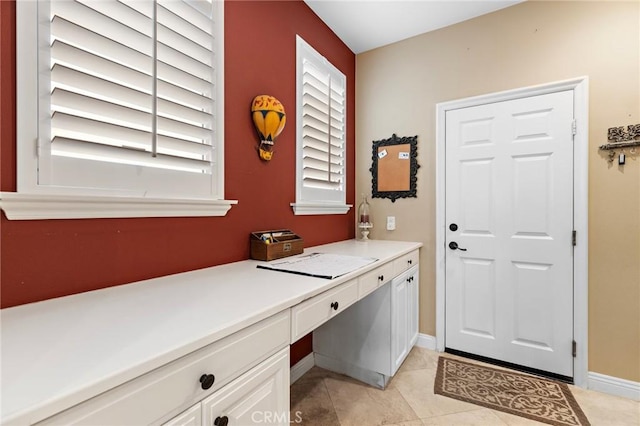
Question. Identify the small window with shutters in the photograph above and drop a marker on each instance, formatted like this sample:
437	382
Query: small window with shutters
321	134
127	96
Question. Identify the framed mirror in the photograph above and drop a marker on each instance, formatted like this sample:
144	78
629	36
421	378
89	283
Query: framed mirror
393	168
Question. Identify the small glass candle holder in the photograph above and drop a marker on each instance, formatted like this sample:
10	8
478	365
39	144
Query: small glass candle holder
364	219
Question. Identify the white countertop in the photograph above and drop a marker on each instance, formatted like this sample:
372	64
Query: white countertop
60	352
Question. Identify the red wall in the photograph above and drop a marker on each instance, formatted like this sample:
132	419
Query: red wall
51	258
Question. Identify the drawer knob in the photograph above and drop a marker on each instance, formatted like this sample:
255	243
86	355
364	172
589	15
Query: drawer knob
380	277
334	305
221	421
409	262
206	380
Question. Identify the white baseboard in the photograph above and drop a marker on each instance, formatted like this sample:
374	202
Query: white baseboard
426	341
614	386
301	367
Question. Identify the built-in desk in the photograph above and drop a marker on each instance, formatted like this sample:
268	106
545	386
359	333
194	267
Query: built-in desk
186	345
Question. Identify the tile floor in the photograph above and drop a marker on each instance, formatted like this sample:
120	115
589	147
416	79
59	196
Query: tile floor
323	398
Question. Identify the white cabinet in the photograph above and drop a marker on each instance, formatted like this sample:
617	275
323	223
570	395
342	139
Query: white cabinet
413	309
400	322
155	396
207	344
260	396
371	339
404	311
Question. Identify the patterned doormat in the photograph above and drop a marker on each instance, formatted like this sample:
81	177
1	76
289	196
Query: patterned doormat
527	396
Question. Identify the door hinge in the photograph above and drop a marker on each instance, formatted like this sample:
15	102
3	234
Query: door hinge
574	348
574	127
574	238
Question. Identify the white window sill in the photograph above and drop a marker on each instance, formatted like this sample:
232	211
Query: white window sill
311	209
17	206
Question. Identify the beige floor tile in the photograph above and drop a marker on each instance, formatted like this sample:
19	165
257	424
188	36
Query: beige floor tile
417	389
420	359
604	409
359	404
324	398
319	373
512	420
311	404
482	417
409	423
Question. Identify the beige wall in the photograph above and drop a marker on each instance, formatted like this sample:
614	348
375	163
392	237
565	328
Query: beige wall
398	86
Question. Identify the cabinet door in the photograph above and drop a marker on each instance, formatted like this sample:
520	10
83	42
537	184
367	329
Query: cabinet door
260	396
413	302
400	321
191	417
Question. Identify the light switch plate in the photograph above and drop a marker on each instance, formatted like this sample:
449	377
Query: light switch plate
391	223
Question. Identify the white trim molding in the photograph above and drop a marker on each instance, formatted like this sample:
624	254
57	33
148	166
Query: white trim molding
580	88
614	386
301	367
426	341
311	209
18	206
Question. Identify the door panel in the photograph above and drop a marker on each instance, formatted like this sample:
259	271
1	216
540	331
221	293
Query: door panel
533	319
477	203
478	297
532	195
509	188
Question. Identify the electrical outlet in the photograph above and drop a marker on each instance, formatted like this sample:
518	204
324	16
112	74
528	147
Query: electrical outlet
391	223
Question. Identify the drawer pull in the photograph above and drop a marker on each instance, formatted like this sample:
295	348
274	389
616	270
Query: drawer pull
221	421
380	277
409	262
334	305
207	380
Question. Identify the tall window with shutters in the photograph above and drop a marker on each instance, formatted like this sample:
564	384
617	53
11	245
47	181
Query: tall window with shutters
127	96
321	134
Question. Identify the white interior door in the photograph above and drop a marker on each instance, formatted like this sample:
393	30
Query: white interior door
509	190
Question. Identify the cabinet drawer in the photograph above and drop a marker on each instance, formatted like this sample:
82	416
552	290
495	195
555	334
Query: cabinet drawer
165	391
311	313
374	279
405	262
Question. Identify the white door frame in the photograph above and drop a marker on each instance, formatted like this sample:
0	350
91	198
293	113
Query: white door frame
580	87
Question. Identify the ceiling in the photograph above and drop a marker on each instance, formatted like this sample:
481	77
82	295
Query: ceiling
366	24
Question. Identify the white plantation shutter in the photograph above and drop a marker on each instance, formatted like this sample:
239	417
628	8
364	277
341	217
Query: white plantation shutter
321	129
130	97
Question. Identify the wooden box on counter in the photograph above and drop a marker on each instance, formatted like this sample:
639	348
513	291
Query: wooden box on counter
275	244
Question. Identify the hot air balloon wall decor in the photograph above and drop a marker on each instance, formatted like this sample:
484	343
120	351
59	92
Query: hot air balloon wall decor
269	118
